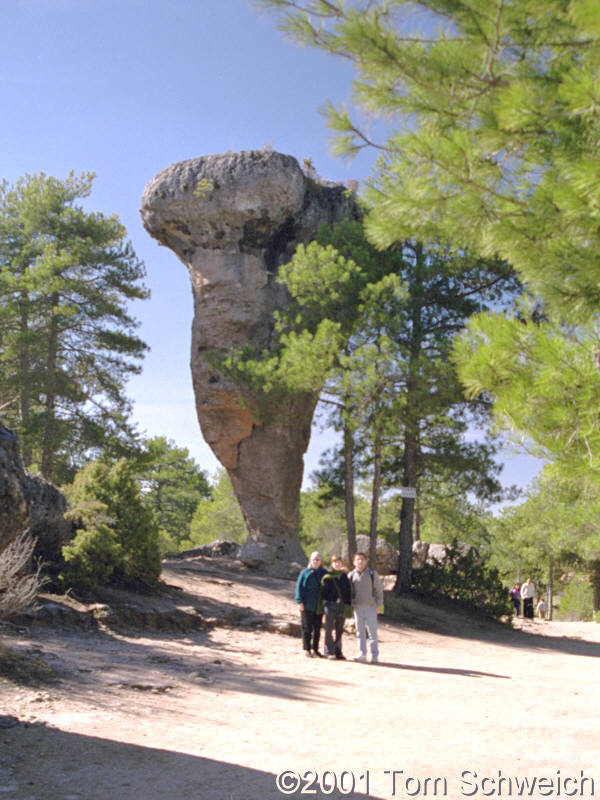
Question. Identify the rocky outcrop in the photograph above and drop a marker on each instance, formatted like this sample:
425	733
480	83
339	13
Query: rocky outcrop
214	549
47	523
431	553
29	501
233	219
386	556
14	506
386	559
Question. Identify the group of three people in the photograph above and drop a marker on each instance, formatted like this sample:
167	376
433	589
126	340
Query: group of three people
338	595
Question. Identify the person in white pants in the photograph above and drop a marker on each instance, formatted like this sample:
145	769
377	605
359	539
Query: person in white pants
367	602
528	594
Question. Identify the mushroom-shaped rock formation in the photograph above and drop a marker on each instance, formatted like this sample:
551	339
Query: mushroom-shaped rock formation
233	219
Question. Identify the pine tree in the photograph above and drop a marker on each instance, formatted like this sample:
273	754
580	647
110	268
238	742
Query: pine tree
492	118
172	486
217	516
117	536
544	384
554	531
372	331
67	341
493	113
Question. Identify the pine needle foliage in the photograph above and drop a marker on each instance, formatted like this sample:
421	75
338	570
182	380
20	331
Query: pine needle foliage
493	114
67	335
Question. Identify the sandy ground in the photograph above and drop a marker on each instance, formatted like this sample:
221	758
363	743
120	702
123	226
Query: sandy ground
458	709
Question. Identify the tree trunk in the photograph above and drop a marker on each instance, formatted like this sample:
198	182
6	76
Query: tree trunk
24	389
375	494
349	490
49	434
404	576
550	587
417	520
407	511
595	582
411	428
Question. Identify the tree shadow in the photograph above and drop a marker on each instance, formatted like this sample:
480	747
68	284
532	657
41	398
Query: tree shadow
408	612
174	608
115	666
92	768
413	613
564	644
226	568
202	571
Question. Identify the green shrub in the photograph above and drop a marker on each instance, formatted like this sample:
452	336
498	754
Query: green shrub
322	523
167	544
576	601
217	517
117	539
92	556
465	579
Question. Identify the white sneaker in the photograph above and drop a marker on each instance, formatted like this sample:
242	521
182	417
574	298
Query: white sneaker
374	660
361	658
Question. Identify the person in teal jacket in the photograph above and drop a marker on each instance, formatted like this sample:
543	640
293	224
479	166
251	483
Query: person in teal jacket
308	597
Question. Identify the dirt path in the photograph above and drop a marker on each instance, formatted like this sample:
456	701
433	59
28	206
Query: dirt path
217	714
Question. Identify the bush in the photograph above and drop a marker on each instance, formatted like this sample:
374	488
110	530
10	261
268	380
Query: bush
465	579
95	552
576	601
322	523
117	540
19	584
218	517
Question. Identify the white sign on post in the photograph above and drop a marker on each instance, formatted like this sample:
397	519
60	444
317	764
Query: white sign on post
408	492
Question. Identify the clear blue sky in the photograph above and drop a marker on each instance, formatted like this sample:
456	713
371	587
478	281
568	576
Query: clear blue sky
123	88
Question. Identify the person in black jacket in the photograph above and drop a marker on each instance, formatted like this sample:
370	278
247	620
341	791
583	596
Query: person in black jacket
336	595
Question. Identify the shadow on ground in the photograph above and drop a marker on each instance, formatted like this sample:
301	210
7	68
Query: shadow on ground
67	762
409	611
118	666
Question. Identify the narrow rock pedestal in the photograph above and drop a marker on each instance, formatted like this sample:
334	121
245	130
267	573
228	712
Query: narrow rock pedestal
233	219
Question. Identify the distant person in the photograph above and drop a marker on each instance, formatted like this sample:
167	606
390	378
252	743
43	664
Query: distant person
542	608
337	597
515	598
528	594
308	597
367	601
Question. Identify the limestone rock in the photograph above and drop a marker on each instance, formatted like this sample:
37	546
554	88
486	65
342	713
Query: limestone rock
419	554
214	549
233	219
432	553
14	508
386	556
47	523
29	501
